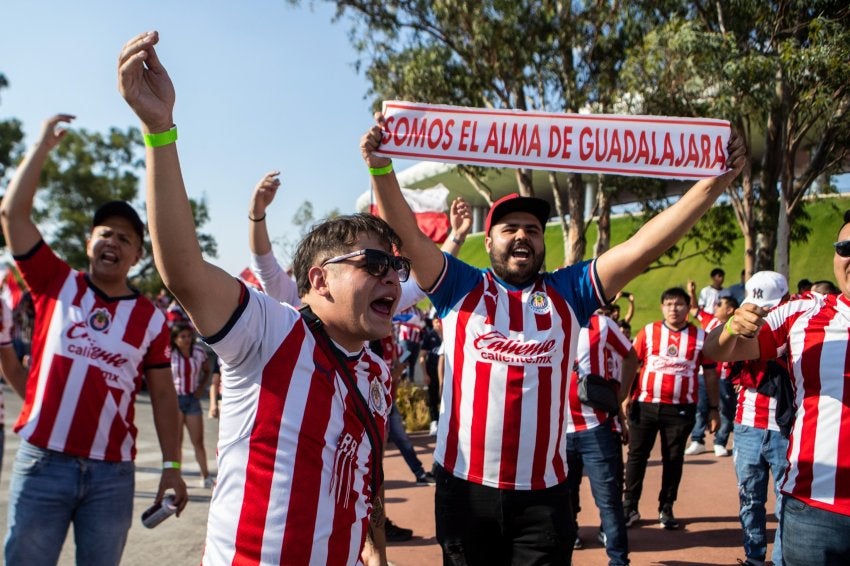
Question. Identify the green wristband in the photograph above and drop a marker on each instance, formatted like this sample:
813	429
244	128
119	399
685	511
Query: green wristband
167	137
378	171
169	465
729	327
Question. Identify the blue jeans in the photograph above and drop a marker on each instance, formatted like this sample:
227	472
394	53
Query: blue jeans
757	454
398	434
728	404
812	536
598	451
49	490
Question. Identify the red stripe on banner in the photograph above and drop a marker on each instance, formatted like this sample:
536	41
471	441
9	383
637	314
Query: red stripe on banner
248	277
434	224
262	448
436	108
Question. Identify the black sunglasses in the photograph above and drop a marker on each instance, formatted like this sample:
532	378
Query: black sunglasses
377	263
842	248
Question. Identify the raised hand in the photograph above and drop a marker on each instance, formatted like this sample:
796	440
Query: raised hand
460	217
51	135
264	193
144	83
371	141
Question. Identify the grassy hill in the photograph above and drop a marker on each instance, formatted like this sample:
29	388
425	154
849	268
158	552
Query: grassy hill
812	259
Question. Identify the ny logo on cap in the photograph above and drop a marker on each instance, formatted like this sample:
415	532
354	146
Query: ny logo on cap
758	293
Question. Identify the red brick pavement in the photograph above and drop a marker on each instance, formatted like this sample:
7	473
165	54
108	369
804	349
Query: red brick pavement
707	509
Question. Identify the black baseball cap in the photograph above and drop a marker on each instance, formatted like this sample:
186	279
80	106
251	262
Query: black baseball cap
513	202
120	209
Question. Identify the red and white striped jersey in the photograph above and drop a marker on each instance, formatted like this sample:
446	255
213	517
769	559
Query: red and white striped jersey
709	322
756	410
601	348
186	371
670	361
88	355
293	458
816	332
508	357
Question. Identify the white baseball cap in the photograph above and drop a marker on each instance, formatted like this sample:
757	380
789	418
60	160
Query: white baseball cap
766	289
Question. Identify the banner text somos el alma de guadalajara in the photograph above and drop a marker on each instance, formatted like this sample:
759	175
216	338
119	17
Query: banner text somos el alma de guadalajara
646	146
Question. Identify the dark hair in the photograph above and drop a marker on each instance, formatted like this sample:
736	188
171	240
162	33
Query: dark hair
176	329
624	324
803	285
827	286
732	301
718	271
676	293
336	236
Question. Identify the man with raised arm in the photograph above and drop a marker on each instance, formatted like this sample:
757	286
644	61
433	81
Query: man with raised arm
94	339
813	334
510	336
304	402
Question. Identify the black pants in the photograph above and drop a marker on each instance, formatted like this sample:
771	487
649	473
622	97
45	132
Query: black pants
646	421
480	525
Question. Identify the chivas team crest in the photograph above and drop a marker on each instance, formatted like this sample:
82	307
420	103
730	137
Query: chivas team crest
539	302
100	320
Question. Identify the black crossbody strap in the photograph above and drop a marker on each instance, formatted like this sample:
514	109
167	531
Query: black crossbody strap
361	407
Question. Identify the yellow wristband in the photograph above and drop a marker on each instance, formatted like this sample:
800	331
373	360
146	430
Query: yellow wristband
169	465
729	327
163	138
378	171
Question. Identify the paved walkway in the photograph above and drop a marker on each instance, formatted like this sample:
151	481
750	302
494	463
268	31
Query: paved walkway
707	508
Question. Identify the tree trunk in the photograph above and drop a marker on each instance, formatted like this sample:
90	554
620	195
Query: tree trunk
559	210
574	252
603	222
524	182
480	187
783	238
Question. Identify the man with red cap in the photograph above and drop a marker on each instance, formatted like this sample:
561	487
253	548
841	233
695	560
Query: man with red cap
510	342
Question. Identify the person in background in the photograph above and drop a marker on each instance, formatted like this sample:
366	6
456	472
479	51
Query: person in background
664	402
190	370
709	294
738	291
761	441
814	334
75	460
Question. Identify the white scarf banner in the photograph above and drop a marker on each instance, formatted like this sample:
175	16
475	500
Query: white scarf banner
645	146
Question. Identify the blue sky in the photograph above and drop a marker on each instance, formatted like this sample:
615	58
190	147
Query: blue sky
260	85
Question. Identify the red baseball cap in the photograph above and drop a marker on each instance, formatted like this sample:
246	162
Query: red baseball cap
513	202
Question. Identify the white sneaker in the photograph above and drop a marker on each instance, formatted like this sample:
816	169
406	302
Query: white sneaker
720	451
695	448
432	430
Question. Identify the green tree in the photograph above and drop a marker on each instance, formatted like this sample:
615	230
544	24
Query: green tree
779	72
11	147
86	170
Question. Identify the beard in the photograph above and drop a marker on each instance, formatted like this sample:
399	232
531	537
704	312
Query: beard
516	275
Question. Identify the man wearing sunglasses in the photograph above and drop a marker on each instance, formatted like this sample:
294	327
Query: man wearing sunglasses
814	333
304	404
510	335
